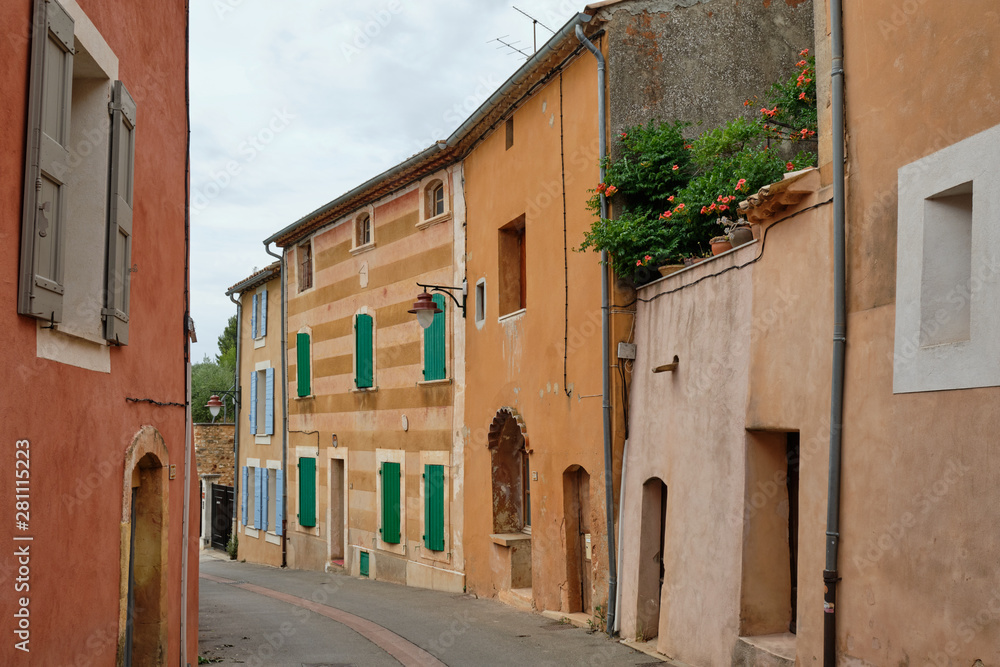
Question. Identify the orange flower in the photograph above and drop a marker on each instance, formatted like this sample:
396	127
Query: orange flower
740	183
638	262
670	199
610	191
724	207
647	258
675	167
789	166
600	188
801	63
623	135
665	215
804	52
680	207
802	96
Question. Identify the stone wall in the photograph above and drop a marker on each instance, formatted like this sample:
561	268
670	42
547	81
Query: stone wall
213	448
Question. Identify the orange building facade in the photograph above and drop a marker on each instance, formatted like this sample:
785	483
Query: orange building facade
100	563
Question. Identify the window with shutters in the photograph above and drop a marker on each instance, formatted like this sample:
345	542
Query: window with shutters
248	502
78	186
364	351
305	264
389	530
303	364
434	479
258	317
307	491
435	359
273	498
261	412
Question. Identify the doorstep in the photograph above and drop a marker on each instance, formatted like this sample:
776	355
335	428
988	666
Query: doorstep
649	648
776	650
519	598
579	619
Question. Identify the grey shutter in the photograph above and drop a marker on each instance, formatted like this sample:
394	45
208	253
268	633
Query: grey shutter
253	318
118	261
263	313
43	221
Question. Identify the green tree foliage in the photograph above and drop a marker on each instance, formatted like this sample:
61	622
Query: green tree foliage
227	347
208	377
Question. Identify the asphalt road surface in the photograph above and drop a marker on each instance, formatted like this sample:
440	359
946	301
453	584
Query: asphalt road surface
268	617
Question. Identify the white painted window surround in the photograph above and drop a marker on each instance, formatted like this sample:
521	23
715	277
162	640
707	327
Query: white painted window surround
948	269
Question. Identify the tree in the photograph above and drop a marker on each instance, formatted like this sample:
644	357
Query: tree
227	346
208	377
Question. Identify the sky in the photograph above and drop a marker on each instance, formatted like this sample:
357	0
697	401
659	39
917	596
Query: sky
295	103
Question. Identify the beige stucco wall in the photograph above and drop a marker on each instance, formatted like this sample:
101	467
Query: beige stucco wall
264	546
920	500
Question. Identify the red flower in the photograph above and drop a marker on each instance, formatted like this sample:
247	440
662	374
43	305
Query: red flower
680	207
665	215
724	207
801	63
610	191
802	96
623	135
670	199
647	258
740	183
789	166
804	52
675	167
746	103
600	188
688	146
704	210
638	262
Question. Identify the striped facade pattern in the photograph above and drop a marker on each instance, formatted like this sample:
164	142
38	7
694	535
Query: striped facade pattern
400	418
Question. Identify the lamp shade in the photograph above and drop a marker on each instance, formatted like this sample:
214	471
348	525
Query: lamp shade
425	309
214	405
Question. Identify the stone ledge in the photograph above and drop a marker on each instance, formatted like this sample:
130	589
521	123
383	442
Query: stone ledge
776	650
510	539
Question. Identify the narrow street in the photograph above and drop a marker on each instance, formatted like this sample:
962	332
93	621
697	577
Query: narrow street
258	615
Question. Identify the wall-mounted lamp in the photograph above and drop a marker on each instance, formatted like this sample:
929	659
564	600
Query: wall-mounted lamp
425	309
214	405
667	367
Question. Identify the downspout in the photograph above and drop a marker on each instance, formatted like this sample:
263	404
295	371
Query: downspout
609	499
236	410
185	520
284	406
830	575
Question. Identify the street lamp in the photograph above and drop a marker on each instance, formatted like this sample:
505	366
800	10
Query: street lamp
214	405
425	309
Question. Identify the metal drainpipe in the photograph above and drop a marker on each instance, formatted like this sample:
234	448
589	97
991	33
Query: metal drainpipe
236	410
609	498
284	405
830	575
188	445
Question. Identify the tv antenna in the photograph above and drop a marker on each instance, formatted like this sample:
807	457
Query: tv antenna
534	28
509	45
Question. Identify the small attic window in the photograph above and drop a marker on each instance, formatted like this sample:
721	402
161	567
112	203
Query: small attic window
510	132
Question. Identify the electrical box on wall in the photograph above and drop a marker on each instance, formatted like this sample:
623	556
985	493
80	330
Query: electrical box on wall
626	351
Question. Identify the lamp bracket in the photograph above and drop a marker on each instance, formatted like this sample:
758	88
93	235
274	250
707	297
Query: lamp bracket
445	289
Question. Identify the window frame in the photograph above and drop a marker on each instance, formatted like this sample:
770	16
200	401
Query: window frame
304	264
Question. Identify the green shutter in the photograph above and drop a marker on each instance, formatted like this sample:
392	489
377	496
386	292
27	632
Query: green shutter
434	345
363	351
434	507
364	564
307	491
390	502
302	370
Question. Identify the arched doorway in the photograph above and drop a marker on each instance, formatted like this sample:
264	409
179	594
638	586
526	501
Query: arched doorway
579	565
653	523
142	639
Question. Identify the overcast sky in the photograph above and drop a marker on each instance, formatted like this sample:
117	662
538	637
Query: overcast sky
295	103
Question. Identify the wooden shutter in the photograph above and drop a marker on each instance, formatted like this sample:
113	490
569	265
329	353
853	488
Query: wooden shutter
390	502
363	351
279	505
263	313
307	491
243	494
256	497
434	344
363	564
118	261
434	507
269	401
265	479
303	370
253	319
43	216
253	403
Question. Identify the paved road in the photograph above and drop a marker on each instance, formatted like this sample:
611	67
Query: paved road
263	616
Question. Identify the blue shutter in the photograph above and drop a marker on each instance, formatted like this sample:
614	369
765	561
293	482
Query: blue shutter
279	504
253	318
256	498
253	403
269	402
263	313
265	479
243	498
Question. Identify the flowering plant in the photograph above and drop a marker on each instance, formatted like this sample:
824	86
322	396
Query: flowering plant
673	192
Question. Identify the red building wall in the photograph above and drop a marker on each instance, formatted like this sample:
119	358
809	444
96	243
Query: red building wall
78	421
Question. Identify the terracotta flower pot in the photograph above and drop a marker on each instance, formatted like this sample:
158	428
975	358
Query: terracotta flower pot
720	244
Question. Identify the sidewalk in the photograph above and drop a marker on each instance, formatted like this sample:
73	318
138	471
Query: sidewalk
258	615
